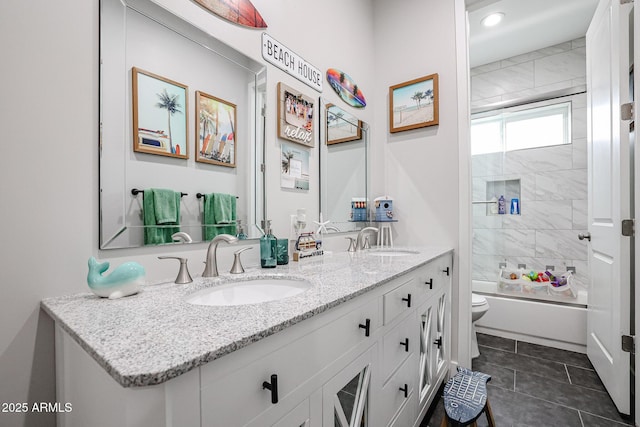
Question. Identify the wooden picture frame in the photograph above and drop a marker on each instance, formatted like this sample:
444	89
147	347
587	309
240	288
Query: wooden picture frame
160	115
341	125
216	126
403	114
295	116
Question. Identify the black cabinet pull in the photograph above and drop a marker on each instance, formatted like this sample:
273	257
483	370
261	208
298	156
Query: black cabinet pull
430	283
366	327
405	390
438	342
446	271
405	343
273	386
408	300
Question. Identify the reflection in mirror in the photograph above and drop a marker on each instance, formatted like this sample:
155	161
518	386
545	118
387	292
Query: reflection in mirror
343	169
179	148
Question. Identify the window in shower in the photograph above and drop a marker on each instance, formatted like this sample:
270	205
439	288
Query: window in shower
521	128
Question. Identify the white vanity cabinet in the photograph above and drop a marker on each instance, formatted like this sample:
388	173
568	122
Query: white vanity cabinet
374	360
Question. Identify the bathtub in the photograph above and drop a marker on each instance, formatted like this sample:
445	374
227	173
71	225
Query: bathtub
559	325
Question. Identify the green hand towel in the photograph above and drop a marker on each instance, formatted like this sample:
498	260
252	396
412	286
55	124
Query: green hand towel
160	207
219	210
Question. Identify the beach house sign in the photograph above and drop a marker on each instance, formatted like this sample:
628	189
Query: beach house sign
284	58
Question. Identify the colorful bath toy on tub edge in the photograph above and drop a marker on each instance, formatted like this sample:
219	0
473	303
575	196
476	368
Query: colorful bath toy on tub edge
125	280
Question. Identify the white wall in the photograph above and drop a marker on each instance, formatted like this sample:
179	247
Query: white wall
49	166
420	168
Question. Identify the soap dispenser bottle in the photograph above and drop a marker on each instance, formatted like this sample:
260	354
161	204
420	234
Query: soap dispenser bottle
502	209
268	250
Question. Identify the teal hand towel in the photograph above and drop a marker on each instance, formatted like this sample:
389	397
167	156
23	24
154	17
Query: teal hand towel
219	210
161	207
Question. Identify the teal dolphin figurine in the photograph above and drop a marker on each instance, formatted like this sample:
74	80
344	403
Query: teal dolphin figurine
123	281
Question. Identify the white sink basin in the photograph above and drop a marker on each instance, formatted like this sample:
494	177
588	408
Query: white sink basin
249	292
391	252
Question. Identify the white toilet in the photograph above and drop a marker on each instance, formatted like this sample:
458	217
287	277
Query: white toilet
479	306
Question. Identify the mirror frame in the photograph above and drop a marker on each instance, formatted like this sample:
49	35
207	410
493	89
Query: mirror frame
364	130
113	170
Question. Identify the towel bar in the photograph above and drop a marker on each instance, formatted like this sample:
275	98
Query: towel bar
201	195
135	192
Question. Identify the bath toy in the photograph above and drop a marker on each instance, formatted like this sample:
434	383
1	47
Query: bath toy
125	280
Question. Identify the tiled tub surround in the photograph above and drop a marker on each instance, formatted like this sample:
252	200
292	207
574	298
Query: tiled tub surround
154	336
553	206
542	71
553	180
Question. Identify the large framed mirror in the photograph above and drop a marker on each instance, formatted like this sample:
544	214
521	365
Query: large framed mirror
344	169
180	121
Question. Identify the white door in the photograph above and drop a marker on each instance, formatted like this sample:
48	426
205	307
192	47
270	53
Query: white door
609	198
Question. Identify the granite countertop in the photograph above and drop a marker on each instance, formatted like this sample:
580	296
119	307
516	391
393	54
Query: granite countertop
151	337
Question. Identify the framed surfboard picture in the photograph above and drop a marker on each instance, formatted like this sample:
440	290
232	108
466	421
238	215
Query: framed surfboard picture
295	116
413	104
216	130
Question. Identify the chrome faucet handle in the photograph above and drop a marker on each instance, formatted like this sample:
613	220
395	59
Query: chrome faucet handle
237	268
183	274
352	244
366	244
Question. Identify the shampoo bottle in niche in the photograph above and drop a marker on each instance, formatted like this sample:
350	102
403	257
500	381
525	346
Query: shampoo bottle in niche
268	249
501	206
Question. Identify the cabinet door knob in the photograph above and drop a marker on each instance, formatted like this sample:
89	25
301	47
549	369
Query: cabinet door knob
405	343
405	390
446	271
366	327
408	300
273	386
438	342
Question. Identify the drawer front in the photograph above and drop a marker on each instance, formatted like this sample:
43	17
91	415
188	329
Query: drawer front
433	276
398	344
294	364
392	396
399	300
407	415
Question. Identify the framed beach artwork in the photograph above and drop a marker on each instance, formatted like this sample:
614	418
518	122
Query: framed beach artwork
295	116
216	130
413	104
342	126
294	167
159	115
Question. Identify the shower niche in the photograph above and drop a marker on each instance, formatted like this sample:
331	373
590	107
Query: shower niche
509	189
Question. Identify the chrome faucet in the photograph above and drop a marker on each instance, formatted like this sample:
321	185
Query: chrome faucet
359	241
211	266
181	236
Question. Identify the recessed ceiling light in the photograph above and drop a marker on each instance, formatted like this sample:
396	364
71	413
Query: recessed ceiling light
493	19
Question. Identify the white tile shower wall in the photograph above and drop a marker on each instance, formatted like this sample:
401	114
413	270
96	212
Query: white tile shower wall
553	179
552	68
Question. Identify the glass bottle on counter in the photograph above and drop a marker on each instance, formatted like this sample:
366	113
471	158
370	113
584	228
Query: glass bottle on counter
268	249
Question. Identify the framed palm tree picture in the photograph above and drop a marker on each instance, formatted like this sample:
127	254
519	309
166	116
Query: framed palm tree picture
413	104
342	126
216	130
159	115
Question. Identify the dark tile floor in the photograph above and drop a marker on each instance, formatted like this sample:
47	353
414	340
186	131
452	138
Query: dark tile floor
533	385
